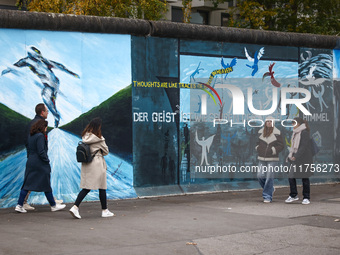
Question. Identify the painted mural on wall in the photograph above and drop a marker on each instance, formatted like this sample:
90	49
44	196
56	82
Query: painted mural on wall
155	102
316	75
151	94
224	145
199	76
78	76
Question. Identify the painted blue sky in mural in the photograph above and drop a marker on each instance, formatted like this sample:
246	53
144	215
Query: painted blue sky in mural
283	70
102	61
189	64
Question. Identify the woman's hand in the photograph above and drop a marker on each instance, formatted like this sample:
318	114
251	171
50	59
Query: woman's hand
293	159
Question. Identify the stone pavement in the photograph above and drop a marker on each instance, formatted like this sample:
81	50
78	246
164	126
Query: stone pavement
236	222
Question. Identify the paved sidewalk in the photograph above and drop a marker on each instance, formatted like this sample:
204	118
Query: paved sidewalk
219	223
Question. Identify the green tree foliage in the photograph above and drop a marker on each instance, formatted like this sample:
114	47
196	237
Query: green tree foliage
186	10
303	16
139	9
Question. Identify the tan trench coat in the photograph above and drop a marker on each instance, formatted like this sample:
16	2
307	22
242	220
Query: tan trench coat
93	174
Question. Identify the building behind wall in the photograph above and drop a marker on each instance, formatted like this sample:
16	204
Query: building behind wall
202	12
8	4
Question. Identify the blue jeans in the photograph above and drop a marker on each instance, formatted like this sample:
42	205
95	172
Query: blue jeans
265	175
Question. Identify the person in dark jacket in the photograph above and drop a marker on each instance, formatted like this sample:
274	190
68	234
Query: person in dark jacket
41	113
269	145
38	169
300	155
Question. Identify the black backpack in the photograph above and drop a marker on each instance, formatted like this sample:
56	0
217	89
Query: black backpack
83	153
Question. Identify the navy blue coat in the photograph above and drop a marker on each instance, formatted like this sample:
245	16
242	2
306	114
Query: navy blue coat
28	129
38	169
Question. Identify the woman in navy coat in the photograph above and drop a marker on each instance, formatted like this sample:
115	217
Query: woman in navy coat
38	169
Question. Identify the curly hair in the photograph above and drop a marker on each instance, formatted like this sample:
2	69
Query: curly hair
39	127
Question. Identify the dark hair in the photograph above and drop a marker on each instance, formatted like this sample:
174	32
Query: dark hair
39	108
39	127
301	121
94	127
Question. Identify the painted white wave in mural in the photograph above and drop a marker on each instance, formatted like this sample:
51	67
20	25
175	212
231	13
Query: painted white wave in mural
65	177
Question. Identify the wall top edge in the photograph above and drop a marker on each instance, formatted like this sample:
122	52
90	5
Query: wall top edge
94	24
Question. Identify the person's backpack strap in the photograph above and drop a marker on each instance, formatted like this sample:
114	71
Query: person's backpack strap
94	155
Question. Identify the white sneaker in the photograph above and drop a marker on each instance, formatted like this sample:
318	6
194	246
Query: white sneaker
27	207
20	209
305	201
291	199
75	212
57	207
267	201
107	213
60	201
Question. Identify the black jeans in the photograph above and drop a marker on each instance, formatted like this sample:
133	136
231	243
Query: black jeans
102	196
305	187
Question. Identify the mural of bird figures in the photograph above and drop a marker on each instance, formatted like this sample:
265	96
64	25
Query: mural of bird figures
258	54
197	71
271	74
231	64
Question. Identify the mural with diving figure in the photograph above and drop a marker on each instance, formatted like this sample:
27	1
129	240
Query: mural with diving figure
67	71
49	83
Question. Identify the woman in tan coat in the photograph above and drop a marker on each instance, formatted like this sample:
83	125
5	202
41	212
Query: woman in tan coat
93	174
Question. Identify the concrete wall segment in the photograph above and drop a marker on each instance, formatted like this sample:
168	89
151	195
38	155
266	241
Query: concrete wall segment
80	23
63	22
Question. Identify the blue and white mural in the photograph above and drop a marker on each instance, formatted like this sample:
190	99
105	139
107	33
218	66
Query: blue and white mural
150	93
78	76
